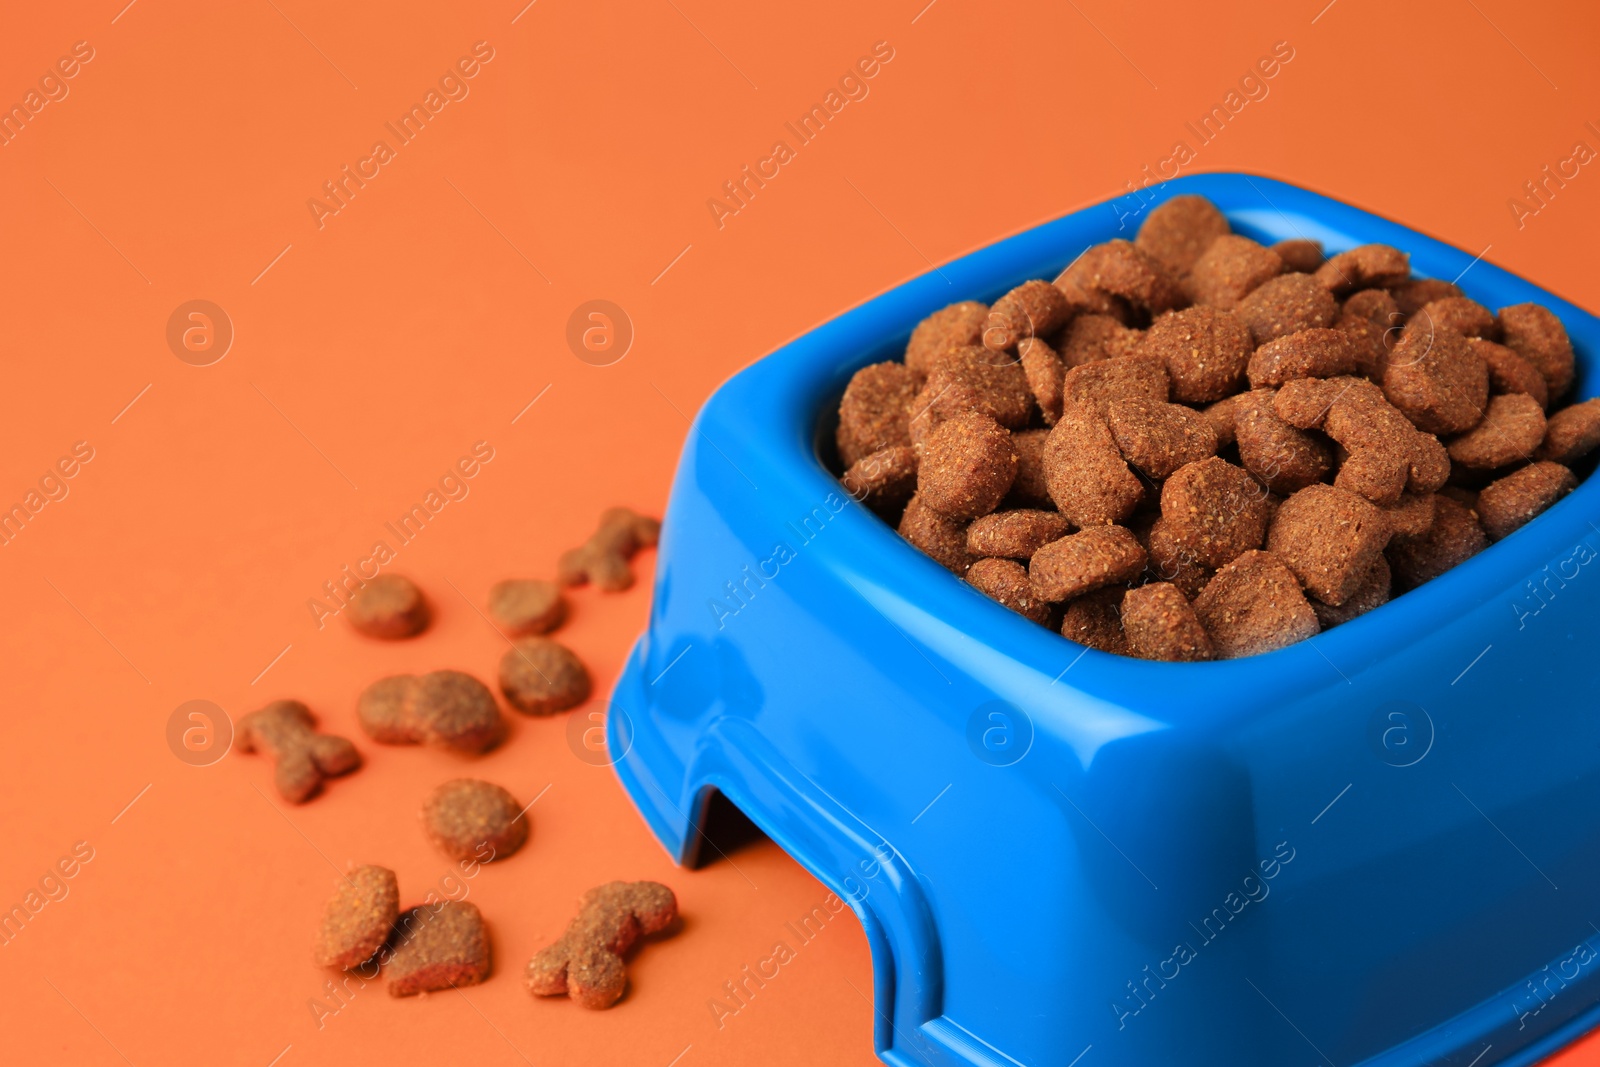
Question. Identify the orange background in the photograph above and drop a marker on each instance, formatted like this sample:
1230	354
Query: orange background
429	311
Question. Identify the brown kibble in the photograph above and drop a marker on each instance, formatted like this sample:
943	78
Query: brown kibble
1032	309
1454	537
967	466
1438	381
1016	534
1329	537
1122	269
1315	353
539	676
1254	605
1414	294
389	606
1282	456
1213	511
1161	624
1510	431
938	536
875	411
1087	477
1372	319
1364	267
1158	438
951	327
471	819
586	963
286	732
604	558
1005	581
1512	502
443	945
1178	231
1536	335
1097	384
358	919
1300	254
448	708
1229	268
884	481
1095	620
1044	371
1412	515
1286	305
1223	417
1094	337
1355	413
1204	350
1572	432
972	379
1172	562
1083	562
1030	490
1378	476
1372	592
1456	314
527	606
1510	373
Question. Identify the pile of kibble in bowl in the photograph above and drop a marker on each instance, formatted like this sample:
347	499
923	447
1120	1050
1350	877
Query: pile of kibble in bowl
1193	446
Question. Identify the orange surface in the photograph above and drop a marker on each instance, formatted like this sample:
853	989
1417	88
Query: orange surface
375	345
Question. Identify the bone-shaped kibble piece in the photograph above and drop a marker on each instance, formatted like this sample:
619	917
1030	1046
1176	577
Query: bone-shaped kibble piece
286	731
586	963
603	559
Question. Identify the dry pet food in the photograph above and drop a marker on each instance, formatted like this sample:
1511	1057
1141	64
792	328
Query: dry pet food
527	606
448	708
1193	446
286	731
358	919
540	676
605	559
389	606
470	819
587	962
438	946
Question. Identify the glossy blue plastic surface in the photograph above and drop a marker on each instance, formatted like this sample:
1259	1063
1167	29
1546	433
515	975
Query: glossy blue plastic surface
1380	846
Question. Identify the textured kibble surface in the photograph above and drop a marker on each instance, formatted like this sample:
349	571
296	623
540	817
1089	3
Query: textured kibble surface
390	606
1520	496
1160	623
438	946
587	962
1286	304
527	605
1454	536
1083	562
967	466
1254	605
1572	433
1157	437
1087	477
1015	534
1205	351
286	731
1194	446
448	708
471	819
1178	231
540	676
1005	581
1330	538
358	918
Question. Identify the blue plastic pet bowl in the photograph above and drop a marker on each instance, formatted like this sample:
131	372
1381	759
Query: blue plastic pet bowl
1378	846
